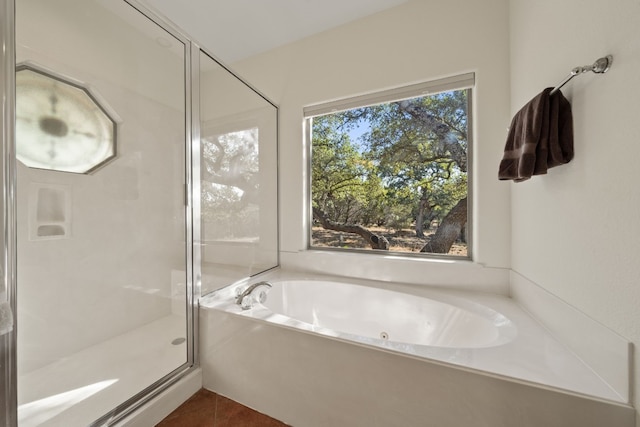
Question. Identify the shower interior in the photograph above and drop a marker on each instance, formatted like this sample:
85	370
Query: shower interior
111	258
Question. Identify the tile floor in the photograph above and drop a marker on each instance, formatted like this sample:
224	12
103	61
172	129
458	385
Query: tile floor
208	409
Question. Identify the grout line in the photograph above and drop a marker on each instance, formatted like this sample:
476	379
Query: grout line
215	410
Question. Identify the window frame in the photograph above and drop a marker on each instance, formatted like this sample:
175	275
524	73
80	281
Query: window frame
464	81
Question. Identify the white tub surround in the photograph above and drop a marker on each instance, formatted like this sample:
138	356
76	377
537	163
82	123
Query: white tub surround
607	353
437	272
266	360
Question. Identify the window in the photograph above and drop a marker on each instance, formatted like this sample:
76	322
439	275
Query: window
60	125
390	171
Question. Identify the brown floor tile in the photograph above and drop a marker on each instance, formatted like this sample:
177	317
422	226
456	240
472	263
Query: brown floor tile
233	414
198	411
208	409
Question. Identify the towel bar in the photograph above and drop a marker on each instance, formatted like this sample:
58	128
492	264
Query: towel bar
601	66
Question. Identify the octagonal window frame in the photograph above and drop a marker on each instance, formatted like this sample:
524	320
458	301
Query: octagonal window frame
96	99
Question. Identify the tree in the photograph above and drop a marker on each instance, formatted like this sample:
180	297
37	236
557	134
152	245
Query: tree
345	187
449	230
450	140
410	166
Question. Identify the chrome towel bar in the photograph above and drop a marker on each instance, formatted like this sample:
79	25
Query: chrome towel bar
602	65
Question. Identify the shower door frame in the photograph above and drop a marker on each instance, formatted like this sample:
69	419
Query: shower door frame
8	342
192	224
8	264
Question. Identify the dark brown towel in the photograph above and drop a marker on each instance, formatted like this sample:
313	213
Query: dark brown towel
540	137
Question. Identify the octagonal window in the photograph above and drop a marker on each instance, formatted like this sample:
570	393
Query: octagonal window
60	125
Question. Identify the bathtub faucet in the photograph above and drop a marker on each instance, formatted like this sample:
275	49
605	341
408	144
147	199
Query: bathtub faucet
248	294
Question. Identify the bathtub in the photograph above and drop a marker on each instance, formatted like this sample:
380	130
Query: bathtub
397	352
381	317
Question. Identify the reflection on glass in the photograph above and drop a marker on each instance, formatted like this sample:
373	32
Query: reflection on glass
230	187
238	178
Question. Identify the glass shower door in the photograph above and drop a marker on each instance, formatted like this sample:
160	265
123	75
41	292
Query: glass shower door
101	232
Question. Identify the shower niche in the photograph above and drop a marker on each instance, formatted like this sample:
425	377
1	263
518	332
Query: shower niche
49	211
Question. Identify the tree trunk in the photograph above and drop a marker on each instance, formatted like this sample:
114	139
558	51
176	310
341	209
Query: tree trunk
422	208
376	241
449	230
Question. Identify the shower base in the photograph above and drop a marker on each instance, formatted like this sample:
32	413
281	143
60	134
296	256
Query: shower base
81	388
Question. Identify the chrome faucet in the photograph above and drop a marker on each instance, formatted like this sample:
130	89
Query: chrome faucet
247	292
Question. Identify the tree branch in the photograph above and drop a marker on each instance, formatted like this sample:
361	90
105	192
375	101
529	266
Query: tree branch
375	240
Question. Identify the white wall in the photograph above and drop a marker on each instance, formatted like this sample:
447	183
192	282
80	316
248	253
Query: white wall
575	231
417	41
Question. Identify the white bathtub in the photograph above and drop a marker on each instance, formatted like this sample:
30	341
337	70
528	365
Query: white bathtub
315	339
385	318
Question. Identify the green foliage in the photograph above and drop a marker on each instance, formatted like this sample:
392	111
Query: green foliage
345	185
412	156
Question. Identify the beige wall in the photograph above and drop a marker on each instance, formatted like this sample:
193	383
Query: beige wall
417	41
575	232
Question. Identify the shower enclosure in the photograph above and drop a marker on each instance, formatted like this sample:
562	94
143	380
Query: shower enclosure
138	174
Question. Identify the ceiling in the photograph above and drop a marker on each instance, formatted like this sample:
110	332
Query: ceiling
236	29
